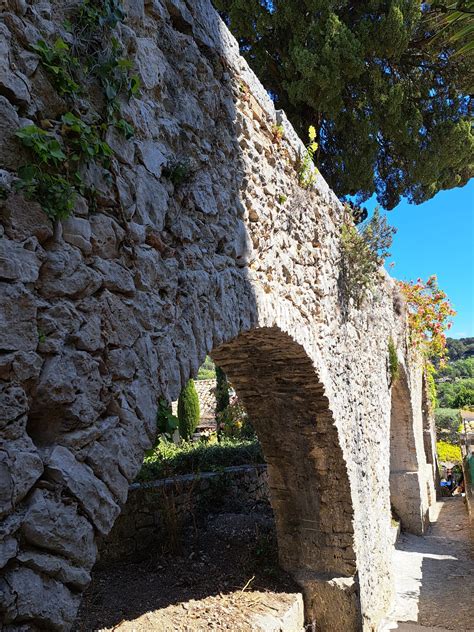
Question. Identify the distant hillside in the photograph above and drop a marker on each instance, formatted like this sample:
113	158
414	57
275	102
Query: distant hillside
460	349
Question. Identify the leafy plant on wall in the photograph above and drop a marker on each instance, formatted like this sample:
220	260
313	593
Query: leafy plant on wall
429	316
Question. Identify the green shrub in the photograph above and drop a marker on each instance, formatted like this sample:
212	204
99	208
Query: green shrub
168	459
188	411
363	253
222	391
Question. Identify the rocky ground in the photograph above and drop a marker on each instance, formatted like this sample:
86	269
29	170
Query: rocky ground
221	574
434	574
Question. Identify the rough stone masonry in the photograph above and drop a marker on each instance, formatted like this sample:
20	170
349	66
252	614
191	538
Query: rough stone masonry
104	312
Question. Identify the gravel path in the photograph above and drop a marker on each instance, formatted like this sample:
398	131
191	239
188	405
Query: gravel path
434	574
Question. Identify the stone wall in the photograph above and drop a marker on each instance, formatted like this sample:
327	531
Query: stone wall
106	311
154	507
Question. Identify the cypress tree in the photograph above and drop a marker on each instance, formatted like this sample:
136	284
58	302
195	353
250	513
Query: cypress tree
222	391
188	411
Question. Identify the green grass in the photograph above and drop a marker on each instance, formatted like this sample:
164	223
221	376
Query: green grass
168	459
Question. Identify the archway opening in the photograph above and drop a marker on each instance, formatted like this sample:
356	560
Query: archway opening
308	481
306	475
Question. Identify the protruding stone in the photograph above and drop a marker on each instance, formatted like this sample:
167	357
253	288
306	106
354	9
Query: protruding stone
59	527
91	493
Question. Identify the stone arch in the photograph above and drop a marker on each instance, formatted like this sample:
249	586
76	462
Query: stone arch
406	494
308	480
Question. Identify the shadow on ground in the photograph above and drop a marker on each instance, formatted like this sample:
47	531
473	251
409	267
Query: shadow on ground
224	563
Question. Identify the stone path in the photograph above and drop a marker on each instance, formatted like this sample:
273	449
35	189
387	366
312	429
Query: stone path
434	575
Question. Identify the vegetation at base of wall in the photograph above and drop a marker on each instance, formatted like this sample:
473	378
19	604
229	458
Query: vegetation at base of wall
188	411
448	452
166	422
62	148
207	370
168	459
393	364
363	252
307	172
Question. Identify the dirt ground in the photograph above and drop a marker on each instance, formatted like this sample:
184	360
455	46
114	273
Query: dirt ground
224	575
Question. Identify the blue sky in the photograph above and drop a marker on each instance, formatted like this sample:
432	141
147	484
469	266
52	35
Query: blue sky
437	237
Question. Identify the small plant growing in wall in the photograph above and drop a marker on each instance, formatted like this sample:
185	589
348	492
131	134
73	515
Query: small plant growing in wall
363	251
307	172
277	133
177	171
188	411
244	91
393	365
64	145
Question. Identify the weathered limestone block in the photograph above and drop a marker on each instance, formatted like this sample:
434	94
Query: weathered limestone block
115	277
17	263
57	568
77	231
65	274
13	83
152	63
151	195
20	468
69	393
8	549
106	466
18	330
35	596
333	604
107	236
91	493
23	219
58	527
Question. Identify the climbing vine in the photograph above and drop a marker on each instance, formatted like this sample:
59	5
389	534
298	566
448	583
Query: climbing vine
61	148
429	314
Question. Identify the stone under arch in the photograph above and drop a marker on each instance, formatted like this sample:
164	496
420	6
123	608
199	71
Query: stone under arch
309	485
406	464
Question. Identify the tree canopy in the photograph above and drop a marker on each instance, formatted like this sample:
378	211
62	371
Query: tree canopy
387	93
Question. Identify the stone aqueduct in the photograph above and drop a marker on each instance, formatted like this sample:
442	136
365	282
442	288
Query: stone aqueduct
101	314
